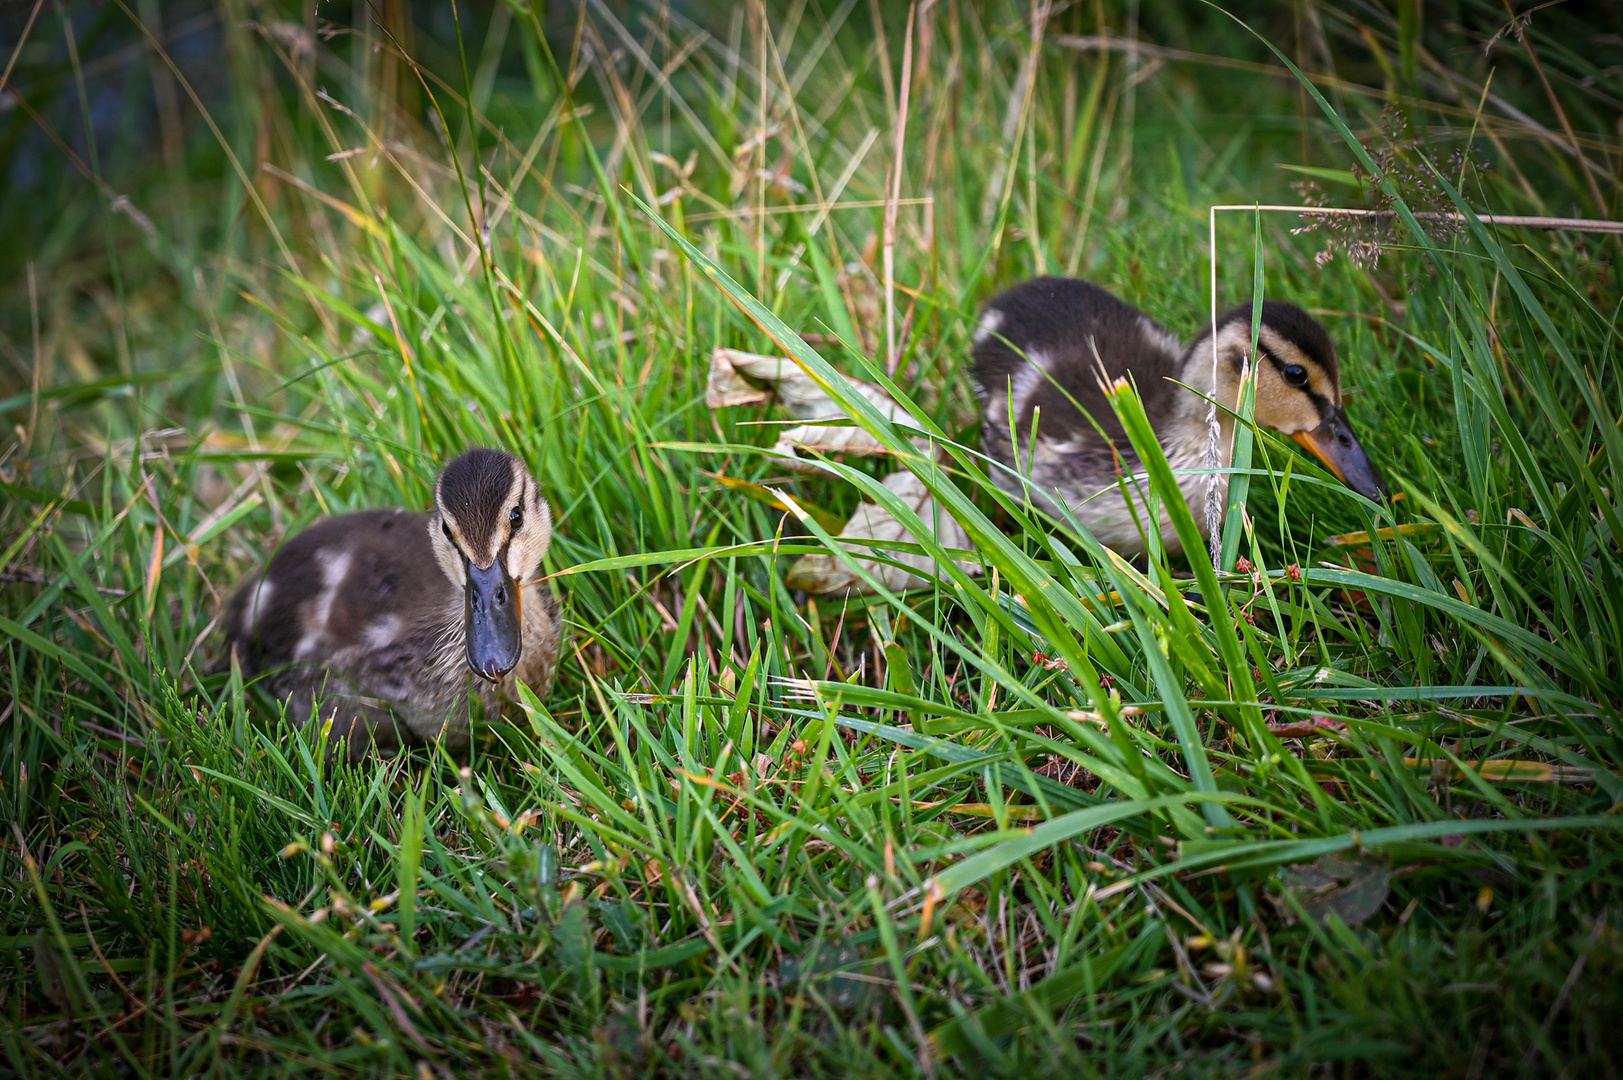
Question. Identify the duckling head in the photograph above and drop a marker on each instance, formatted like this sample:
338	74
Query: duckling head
490	529
1298	389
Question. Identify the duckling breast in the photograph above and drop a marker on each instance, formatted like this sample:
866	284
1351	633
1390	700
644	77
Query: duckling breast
1070	481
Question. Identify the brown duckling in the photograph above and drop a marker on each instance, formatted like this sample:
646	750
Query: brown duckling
385	623
1050	342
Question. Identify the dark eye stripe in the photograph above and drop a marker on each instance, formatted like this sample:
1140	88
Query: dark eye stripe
1285	370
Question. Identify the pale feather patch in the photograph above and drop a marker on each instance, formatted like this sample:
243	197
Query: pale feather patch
383	631
1103	511
334	568
256	603
1028	379
991	323
1013	394
1159	338
1190	465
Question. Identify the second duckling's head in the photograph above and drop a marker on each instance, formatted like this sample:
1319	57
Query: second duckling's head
1298	389
490	529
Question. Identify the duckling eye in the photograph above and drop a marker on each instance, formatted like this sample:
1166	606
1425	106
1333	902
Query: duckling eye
515	518
446	529
1295	375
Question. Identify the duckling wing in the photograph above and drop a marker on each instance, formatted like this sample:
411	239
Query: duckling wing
358	597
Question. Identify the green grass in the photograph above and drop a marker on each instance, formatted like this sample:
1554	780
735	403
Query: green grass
751	832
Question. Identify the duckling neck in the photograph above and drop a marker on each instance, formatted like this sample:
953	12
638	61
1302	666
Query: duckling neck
535	666
1186	436
446	666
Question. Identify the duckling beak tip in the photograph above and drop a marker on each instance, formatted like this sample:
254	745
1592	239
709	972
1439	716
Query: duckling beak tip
494	632
1339	450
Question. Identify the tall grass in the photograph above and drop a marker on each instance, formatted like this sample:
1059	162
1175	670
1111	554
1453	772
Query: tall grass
1066	815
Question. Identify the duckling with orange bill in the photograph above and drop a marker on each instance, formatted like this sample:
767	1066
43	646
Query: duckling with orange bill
1046	351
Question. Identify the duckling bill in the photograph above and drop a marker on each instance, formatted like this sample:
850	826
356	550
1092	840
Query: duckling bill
1046	350
387	623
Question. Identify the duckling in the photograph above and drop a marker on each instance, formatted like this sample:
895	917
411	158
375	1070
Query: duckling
1050	342
377	619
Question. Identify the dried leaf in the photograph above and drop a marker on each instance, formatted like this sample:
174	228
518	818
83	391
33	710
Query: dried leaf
740	378
726	387
1412	531
1352	887
826	573
1307	729
1501	769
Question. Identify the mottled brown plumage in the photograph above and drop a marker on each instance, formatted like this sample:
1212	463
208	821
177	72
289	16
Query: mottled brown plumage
384	623
1047	350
